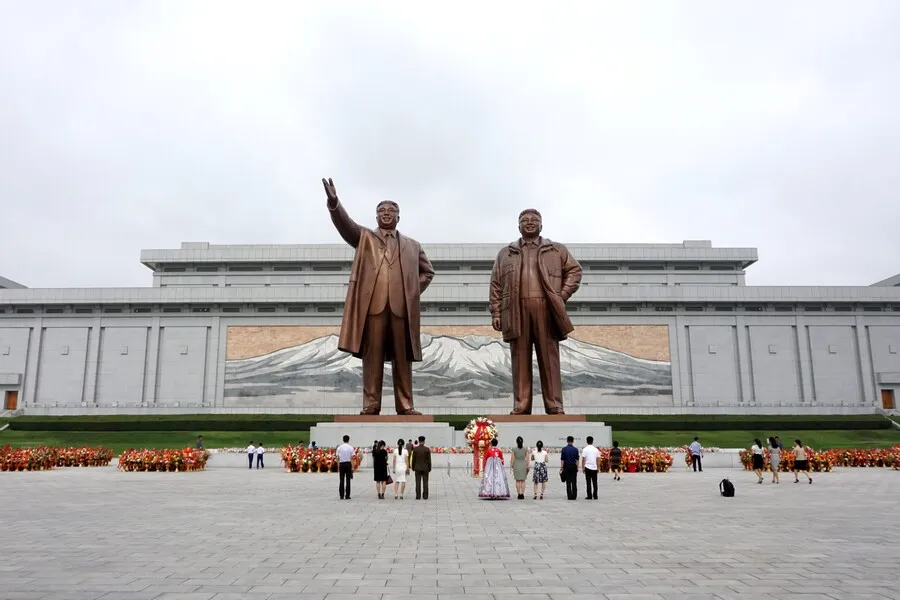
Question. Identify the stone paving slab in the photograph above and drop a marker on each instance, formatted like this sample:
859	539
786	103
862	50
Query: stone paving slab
265	534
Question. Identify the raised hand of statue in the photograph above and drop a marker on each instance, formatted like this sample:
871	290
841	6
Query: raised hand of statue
330	192
495	323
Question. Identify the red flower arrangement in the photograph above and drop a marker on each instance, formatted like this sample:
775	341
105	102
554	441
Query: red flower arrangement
83	457
320	460
638	460
824	460
28	459
163	459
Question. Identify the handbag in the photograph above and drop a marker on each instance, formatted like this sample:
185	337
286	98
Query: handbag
562	476
390	480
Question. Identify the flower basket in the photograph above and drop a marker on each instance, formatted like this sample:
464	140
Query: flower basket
320	460
479	433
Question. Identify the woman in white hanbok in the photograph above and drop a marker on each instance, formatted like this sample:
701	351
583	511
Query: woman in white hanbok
495	485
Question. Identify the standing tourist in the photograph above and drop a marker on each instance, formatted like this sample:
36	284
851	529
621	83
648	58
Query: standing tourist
400	466
568	467
615	461
696	451
801	462
539	458
251	454
589	456
494	485
421	465
199	444
260	451
520	466
774	458
380	466
756	456
345	454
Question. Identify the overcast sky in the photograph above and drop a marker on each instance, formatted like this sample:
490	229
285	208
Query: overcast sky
127	125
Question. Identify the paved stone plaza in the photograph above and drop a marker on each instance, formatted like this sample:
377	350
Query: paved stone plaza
234	534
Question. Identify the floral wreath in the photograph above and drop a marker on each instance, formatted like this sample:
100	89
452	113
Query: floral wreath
479	432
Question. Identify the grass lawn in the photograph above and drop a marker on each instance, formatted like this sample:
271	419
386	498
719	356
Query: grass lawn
122	440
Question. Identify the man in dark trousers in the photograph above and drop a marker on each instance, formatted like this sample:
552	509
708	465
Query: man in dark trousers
421	464
568	466
345	454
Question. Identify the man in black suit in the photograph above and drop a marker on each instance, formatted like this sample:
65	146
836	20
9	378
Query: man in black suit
421	464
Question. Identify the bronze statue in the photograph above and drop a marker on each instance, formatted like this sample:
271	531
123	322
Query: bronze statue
381	314
531	281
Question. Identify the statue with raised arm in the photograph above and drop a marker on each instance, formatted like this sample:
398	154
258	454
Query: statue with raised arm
531	281
381	313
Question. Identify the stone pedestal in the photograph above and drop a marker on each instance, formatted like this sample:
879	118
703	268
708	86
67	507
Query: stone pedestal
550	429
365	429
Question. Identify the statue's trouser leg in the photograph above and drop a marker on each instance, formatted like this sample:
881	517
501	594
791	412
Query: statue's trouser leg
374	341
401	365
547	350
521	350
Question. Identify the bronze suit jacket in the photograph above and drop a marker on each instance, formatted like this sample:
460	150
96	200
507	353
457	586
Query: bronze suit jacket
560	278
416	270
421	459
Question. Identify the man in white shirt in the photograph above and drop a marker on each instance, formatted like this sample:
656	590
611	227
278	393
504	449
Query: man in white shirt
345	454
259	456
589	456
251	452
696	454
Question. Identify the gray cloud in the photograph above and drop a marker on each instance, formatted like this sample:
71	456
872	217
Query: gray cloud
132	125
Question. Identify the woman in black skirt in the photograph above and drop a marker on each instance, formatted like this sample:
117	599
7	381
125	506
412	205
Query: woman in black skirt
756	452
380	466
615	461
801	462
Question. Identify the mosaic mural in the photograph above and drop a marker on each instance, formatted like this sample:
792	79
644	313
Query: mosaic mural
469	362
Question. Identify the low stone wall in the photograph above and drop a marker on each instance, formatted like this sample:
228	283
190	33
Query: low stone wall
726	459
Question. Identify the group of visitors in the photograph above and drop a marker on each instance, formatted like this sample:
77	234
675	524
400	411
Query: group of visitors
757	458
389	468
257	451
801	460
494	485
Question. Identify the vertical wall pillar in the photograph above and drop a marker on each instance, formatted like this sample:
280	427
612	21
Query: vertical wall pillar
684	367
866	366
212	363
744	364
804	363
675	362
32	362
92	361
151	365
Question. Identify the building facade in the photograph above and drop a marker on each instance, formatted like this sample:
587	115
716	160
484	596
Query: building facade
661	328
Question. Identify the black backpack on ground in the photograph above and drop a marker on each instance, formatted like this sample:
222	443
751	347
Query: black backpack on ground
726	488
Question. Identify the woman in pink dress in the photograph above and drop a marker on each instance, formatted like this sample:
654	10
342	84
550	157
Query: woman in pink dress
495	485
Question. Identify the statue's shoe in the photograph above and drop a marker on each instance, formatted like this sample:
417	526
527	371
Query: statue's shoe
410	412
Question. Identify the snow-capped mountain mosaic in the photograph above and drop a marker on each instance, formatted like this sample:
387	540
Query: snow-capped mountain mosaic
464	367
